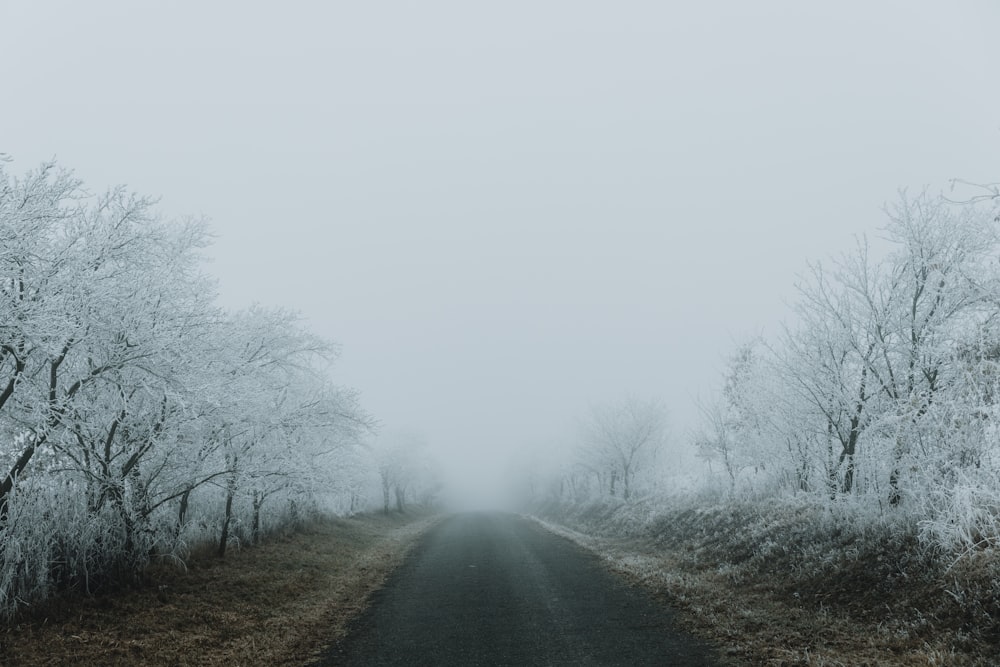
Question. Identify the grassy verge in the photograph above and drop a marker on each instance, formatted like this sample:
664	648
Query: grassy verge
789	583
278	603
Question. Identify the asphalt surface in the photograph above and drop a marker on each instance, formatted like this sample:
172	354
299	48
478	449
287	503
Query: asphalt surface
498	589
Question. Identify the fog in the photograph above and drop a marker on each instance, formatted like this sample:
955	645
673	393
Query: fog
507	214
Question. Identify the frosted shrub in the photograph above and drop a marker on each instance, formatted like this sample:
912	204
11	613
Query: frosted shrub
24	555
965	516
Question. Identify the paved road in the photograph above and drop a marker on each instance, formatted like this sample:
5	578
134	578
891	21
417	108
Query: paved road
497	589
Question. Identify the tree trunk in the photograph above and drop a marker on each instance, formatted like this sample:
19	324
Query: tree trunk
802	476
895	493
7	486
400	496
849	450
116	492
849	475
182	512
224	537
258	501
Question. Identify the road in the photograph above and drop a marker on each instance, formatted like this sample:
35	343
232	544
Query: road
498	589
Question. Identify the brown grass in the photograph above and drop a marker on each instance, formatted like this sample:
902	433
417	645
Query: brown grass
279	603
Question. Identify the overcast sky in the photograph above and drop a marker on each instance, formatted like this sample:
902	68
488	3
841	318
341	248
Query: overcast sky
508	211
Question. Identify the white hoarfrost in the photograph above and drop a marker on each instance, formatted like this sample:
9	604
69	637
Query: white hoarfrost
137	417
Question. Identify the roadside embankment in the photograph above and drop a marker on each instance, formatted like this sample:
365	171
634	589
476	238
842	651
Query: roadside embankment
783	581
278	603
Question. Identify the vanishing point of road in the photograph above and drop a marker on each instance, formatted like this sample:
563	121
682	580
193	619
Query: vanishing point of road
497	589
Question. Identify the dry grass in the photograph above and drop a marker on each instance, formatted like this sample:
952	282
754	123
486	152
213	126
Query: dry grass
783	586
278	603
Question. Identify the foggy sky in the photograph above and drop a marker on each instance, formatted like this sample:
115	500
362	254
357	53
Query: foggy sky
506	212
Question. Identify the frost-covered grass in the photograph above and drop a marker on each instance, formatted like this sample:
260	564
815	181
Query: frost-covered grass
53	544
793	580
277	603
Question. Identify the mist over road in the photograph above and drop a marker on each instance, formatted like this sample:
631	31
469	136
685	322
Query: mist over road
498	589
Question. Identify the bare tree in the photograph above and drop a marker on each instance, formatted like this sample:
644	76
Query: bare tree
621	439
406	470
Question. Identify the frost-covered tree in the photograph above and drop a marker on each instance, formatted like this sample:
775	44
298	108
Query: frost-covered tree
278	420
621	439
98	299
885	375
944	281
732	431
136	415
407	470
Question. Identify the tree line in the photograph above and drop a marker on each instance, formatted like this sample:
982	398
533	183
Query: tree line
137	417
884	386
618	450
882	389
